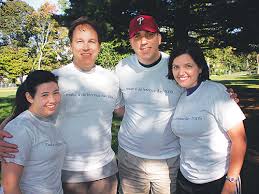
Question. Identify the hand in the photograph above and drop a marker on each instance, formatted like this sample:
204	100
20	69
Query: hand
6	148
229	188
233	95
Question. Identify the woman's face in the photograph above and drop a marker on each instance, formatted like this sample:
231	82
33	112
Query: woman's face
46	100
185	71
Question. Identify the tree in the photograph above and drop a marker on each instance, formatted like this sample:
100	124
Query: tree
63	5
221	19
15	62
225	60
41	26
109	56
32	34
46	33
13	19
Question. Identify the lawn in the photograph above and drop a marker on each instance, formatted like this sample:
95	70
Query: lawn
6	101
247	88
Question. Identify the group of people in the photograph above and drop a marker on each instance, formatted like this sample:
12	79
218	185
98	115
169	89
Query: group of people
180	133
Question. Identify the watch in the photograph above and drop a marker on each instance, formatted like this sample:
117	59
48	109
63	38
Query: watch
231	179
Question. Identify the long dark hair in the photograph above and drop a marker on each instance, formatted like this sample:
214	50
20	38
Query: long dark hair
194	50
34	79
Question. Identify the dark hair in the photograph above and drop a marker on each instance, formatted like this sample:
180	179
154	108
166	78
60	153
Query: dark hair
194	50
34	79
83	20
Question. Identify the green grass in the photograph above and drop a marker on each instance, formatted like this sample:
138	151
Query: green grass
5	92
236	80
6	102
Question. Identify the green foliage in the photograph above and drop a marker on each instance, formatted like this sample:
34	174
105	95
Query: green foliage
48	38
63	5
15	62
109	56
13	19
224	60
251	61
6	107
32	39
179	19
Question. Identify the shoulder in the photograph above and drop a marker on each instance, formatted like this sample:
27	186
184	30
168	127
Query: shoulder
126	61
216	92
20	125
213	86
63	69
106	72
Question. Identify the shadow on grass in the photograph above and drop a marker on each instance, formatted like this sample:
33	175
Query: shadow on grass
249	103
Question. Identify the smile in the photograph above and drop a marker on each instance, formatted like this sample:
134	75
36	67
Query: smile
51	107
183	78
86	54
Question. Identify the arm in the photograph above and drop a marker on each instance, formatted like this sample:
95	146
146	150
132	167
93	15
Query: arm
237	154
6	148
3	124
11	175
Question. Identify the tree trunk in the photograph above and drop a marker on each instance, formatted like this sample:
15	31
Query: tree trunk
182	18
257	60
39	62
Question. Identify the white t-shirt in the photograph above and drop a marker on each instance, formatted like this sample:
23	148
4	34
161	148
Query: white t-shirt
85	116
41	152
201	121
150	99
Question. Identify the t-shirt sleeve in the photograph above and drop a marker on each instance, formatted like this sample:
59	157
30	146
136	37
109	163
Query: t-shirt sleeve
226	110
22	138
119	100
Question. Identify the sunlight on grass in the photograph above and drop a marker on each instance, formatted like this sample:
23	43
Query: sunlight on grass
244	81
7	92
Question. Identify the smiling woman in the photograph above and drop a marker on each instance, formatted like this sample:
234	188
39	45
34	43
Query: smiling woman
41	148
204	116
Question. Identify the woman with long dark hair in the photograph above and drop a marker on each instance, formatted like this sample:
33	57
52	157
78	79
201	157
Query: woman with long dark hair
36	168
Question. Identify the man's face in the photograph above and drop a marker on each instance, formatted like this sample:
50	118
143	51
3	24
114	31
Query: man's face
85	47
145	44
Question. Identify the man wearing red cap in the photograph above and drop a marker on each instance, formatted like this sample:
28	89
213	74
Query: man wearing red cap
148	151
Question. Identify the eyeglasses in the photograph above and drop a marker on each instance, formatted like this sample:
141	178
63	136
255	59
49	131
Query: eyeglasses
147	35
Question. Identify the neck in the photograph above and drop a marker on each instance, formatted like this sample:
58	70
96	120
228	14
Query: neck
83	68
192	89
150	61
153	64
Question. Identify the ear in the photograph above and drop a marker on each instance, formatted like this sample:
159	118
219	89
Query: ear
159	38
200	70
28	97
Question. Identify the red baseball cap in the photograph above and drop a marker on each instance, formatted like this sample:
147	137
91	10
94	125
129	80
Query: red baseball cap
142	22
